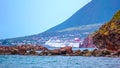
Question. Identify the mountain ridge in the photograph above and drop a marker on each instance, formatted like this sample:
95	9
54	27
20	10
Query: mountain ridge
89	14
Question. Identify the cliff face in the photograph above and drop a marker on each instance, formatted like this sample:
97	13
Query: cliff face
108	36
88	43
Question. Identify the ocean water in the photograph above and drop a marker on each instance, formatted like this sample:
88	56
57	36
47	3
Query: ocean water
19	61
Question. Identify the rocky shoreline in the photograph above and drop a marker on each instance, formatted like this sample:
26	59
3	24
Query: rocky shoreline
64	51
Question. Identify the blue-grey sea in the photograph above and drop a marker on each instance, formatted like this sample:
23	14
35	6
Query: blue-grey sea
20	61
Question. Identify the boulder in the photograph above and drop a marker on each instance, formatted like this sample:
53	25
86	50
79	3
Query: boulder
86	52
14	51
63	51
33	52
106	52
45	53
97	53
54	52
22	51
68	49
77	53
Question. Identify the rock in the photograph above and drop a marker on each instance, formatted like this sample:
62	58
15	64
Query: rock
86	52
14	51
88	43
108	36
55	52
96	53
106	52
22	51
33	52
41	48
1	52
77	53
44	53
118	52
63	51
68	49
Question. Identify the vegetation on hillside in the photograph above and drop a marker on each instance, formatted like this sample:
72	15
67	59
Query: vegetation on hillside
108	36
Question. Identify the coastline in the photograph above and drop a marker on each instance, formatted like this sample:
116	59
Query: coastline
63	51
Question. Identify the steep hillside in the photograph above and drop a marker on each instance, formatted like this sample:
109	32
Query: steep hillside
97	11
108	36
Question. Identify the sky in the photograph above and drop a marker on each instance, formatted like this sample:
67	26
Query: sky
27	17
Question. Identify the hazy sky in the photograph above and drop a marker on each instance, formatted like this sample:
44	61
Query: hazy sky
27	17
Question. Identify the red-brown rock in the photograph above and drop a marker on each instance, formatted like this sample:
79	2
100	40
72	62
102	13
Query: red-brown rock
68	49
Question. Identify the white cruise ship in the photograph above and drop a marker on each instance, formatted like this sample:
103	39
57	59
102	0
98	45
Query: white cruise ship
62	43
